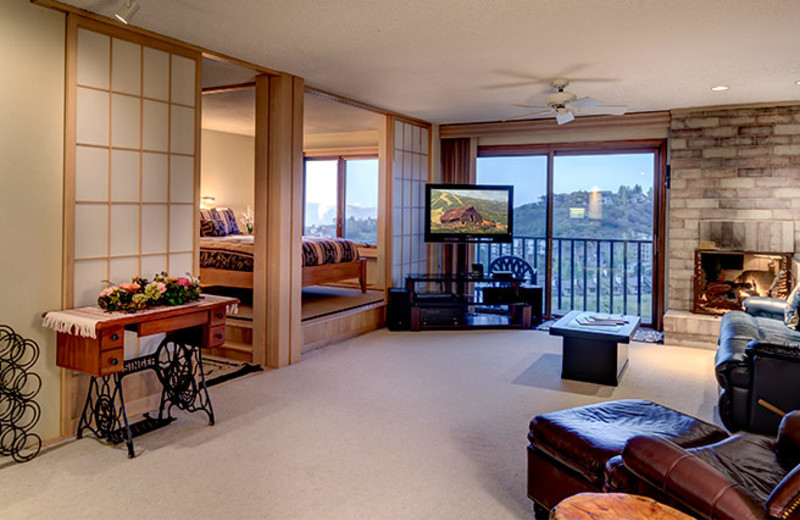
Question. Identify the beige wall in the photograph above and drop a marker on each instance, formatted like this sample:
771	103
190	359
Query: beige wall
227	169
31	183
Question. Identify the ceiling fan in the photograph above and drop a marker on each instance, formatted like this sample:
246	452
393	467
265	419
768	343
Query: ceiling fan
566	105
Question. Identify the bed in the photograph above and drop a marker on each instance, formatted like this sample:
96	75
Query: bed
227	261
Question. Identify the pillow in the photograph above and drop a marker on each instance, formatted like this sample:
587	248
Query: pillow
211	224
790	317
231	227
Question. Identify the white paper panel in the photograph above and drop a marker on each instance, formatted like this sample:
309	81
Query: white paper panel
91	230
183	80
154	222
155	126
156	74
152	265
154	177
182	130
88	281
181	179
397	251
123	269
125	119
398	135
408	137
397	193
93	59
126	75
181	227
397	223
416	146
124	175
124	229
180	264
424	138
92	117
91	173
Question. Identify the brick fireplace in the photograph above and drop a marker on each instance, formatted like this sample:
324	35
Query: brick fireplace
730	168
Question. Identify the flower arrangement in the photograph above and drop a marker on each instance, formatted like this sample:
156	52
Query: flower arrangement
247	220
141	294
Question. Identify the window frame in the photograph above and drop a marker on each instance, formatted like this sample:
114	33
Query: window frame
341	185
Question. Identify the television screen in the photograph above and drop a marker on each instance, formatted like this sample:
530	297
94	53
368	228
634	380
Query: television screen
468	213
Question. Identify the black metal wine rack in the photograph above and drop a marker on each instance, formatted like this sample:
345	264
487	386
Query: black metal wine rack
19	413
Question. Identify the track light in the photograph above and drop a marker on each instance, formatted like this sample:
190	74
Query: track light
126	11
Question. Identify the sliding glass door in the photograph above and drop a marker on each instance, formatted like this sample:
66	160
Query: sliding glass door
602	244
586	220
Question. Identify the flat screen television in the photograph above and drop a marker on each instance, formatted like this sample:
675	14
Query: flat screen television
468	213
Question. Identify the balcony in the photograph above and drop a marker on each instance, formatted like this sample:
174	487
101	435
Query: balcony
603	275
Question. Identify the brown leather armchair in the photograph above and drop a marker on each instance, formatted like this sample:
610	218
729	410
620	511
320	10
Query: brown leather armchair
744	477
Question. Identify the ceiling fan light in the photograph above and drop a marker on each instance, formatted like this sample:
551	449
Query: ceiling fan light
720	88
126	11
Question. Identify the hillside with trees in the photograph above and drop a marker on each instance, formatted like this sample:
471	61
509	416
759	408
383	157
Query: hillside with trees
626	214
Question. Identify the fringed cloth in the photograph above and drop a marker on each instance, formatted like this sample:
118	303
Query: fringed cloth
83	321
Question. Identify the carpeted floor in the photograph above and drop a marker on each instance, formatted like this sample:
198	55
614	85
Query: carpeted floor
385	426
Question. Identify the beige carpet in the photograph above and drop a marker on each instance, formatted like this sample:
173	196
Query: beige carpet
426	425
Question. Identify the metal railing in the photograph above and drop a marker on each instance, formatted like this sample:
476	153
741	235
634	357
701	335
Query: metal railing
601	275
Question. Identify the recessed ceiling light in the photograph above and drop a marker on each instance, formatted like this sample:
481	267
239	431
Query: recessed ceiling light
797	82
719	88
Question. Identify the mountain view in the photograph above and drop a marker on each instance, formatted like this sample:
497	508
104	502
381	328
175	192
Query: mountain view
626	214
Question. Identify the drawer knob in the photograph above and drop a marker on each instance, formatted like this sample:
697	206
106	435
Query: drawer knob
219	335
220	315
113	361
114	337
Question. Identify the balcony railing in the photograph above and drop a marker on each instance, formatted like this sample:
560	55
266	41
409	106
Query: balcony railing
600	275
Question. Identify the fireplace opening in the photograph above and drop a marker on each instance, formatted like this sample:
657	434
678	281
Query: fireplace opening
723	279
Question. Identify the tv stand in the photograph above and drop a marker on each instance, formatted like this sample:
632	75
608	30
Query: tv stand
449	302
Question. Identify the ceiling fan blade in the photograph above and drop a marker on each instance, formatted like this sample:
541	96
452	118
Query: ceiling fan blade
543	107
534	113
584	102
564	118
608	110
515	84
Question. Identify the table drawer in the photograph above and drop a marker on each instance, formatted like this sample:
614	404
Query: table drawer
112	338
217	316
216	336
111	361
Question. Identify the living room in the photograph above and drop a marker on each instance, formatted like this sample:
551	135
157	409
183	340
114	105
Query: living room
732	159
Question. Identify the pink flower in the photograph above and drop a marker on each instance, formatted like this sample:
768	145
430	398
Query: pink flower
184	282
161	286
130	287
108	290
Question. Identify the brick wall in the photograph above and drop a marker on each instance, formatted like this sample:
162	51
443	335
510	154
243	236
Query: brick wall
729	164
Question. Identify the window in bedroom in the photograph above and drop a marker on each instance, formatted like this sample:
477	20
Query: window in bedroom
341	198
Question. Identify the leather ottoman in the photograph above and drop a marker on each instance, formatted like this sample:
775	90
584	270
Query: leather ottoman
569	448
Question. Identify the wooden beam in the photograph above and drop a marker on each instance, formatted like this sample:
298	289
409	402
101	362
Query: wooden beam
547	126
229	88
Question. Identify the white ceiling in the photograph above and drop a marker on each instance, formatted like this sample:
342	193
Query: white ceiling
443	60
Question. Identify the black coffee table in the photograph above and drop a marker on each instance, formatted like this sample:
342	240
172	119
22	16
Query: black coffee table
594	353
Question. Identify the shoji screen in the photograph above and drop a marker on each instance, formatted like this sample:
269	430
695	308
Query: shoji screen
410	173
134	178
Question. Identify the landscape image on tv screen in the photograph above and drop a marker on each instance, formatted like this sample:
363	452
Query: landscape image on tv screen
468	212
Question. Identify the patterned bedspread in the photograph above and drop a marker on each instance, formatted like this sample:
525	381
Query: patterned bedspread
235	252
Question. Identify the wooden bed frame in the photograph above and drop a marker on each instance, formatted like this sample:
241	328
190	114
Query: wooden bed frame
312	275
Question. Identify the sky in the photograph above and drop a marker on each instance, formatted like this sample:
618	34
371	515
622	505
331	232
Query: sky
571	173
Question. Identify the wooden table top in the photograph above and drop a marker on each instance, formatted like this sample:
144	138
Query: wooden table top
614	506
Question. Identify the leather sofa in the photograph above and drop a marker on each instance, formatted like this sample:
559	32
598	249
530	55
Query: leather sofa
743	477
758	358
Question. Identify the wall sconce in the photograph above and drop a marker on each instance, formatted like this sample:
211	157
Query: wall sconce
207	201
126	11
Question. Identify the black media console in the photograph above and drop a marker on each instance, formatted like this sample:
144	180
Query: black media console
460	301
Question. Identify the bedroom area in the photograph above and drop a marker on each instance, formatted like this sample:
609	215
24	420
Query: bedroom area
343	267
